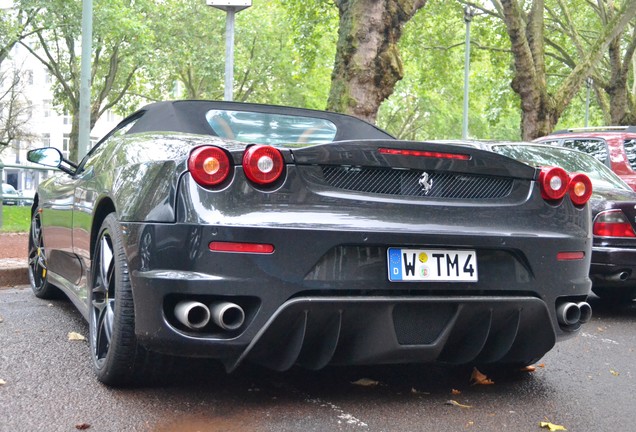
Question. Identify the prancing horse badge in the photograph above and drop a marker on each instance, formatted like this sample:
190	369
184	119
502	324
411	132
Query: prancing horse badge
426	182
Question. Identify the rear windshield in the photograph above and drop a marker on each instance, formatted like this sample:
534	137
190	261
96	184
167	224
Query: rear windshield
570	160
267	128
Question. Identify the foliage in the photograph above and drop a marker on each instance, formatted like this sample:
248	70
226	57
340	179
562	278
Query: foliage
120	44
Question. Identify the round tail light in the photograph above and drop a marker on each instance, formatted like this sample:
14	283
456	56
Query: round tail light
554	183
580	189
209	166
263	164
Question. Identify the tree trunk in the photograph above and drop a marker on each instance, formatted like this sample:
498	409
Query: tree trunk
540	110
368	64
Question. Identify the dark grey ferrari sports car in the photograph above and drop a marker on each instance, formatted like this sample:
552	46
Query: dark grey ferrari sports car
287	236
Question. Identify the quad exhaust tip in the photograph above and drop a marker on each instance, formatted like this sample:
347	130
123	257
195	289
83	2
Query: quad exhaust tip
196	315
228	316
192	314
570	313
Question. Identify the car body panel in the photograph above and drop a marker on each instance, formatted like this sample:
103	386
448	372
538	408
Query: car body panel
330	219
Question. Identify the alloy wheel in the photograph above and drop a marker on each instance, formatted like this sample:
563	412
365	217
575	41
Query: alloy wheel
103	299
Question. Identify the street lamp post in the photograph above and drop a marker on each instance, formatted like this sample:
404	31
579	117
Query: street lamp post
468	17
588	84
231	7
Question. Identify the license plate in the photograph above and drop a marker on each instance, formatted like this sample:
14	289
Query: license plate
432	265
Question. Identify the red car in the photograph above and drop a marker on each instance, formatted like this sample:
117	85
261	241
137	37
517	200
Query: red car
615	146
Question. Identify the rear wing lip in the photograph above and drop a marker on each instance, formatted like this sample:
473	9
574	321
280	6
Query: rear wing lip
366	153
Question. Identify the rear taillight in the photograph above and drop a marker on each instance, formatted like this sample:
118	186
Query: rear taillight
263	164
554	183
612	223
209	166
580	189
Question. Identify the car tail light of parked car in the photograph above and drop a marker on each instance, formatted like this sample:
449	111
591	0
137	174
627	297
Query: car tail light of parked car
263	164
612	223
209	166
556	183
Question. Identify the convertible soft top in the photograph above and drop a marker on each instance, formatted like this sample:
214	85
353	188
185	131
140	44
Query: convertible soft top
190	116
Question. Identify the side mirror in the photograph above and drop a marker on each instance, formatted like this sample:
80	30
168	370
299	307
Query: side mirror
48	156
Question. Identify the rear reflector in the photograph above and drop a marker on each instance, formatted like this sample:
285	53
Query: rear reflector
570	256
427	154
258	248
612	223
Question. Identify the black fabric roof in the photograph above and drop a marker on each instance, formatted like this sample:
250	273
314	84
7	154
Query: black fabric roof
189	116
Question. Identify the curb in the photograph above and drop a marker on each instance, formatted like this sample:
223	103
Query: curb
13	273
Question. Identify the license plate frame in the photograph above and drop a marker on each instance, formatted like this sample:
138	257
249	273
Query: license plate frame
431	265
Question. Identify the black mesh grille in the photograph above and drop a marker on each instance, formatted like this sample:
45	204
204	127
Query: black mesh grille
410	183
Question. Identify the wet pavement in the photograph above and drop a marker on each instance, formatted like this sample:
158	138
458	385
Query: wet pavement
584	384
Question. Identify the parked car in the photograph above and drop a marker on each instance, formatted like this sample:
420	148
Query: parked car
615	146
613	204
9	195
286	236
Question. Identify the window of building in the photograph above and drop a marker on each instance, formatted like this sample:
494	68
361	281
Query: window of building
47	107
46	140
67	117
48	78
28	77
110	116
93	141
66	140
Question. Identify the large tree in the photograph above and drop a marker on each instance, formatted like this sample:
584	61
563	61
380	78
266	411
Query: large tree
368	63
120	45
525	23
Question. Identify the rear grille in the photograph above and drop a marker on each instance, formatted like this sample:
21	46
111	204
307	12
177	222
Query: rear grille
404	182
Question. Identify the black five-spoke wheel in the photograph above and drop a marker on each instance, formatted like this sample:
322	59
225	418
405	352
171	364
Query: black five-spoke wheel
37	261
118	359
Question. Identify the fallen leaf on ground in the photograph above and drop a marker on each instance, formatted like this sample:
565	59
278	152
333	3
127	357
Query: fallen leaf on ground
82	426
479	378
528	369
455	392
613	372
457	404
415	391
2	382
541	365
73	336
366	382
1	319
552	427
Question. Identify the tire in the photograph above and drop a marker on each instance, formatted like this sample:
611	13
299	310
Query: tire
38	269
615	294
118	359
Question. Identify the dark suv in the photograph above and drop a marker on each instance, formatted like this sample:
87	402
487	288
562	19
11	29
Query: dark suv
615	146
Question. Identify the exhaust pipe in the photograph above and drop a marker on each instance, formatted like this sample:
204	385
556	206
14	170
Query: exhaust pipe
192	314
569	313
586	312
228	316
618	277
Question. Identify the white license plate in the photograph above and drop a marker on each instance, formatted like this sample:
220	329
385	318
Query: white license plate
432	265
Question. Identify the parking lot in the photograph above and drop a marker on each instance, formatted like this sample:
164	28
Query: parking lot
583	384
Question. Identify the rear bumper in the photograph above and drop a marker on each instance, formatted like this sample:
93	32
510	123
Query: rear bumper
613	266
324	297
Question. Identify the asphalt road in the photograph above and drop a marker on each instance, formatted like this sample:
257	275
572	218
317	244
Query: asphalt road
587	384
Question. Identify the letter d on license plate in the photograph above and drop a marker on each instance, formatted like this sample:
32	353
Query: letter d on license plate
432	265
